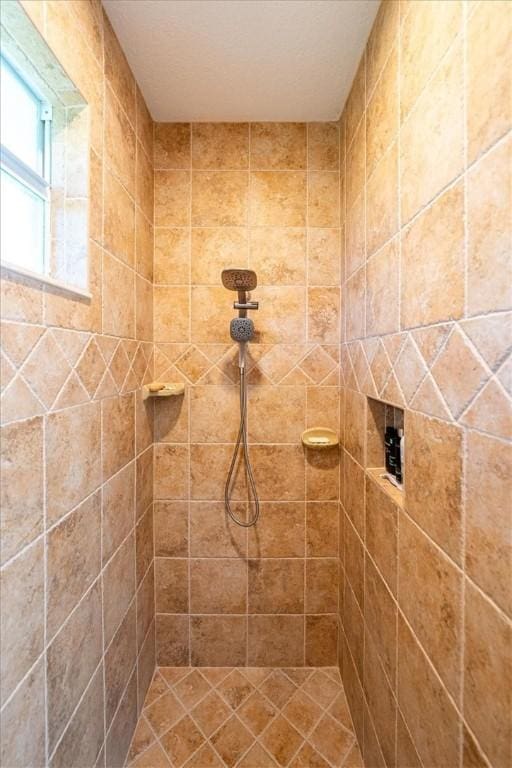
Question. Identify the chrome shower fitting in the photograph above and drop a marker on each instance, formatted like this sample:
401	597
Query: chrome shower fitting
241	330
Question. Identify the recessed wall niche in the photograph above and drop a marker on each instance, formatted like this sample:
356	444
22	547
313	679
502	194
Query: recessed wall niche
379	416
62	182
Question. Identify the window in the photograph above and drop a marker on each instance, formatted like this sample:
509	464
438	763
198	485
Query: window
25	134
44	162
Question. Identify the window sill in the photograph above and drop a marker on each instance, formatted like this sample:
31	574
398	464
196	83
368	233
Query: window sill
46	280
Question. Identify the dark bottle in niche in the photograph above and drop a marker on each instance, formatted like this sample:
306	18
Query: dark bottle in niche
391	442
398	456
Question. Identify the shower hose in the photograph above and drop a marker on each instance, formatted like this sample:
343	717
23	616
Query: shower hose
242	441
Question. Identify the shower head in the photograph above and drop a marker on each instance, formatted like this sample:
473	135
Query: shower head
239	279
241	329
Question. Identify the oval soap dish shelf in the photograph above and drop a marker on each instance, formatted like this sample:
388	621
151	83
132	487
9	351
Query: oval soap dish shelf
319	437
162	389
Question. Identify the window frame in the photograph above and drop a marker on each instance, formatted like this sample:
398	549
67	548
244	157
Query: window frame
38	184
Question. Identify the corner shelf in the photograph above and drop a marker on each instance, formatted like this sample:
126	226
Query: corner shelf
162	389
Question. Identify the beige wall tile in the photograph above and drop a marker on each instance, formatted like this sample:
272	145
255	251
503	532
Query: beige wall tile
212	533
380	614
172	198
171	471
382	290
144	183
431	140
215	249
119	142
382	113
324	315
72	475
219	198
218	640
322	474
434	460
321	593
171	419
278	255
355	235
380	42
118	297
381	531
487	516
85	734
278	145
487	666
431	598
71	567
489	199
117	70
23	722
171	585
323	199
219	146
382	201
144	544
206	575
276	414
432	262
273	483
119	660
381	701
275	586
276	641
356	101
321	640
323	146
277	199
172	256
66	681
324	256
171	528
22	485
283	320
21	586
214	414
118	581
279	532
171	313
123	725
172	145
427	699
419	60
118	433
488	76
118	509
354	299
172	640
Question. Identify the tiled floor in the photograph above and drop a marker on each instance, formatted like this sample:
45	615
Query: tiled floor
249	717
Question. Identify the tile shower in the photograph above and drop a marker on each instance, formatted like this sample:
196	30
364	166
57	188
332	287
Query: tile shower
382	247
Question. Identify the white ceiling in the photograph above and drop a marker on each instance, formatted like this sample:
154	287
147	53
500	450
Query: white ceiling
243	60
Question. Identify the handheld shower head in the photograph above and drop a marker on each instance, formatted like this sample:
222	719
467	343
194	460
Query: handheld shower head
239	279
241	329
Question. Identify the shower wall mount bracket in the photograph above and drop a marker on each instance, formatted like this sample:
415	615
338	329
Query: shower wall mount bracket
162	389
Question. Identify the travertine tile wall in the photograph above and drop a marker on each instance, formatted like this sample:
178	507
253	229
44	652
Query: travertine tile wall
264	196
426	198
77	631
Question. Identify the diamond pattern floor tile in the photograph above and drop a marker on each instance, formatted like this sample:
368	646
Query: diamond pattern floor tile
244	717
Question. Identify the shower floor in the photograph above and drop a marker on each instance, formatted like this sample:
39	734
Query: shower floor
248	717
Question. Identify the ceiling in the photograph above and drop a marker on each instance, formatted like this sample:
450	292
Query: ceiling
243	60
